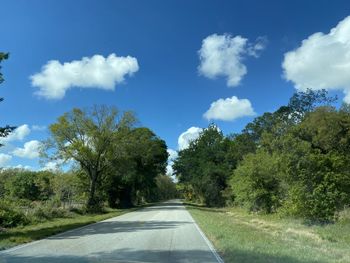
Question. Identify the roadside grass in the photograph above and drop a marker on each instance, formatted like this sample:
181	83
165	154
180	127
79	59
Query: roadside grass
251	238
19	235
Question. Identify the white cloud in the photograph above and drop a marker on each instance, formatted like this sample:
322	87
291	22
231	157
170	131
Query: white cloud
222	55
52	165
169	169
322	61
229	109
186	137
30	150
20	166
4	159
17	135
172	154
38	127
90	72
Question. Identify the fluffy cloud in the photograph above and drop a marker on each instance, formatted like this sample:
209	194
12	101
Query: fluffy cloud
50	166
222	55
4	159
172	154
30	150
229	109
322	61
17	135
96	72
169	169
186	137
25	167
38	127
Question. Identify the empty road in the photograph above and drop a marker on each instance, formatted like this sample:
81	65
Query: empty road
162	233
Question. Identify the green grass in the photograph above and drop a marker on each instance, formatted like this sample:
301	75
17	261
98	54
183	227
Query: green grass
19	235
242	237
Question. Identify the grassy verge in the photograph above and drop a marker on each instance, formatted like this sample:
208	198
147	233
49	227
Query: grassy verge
19	235
241	237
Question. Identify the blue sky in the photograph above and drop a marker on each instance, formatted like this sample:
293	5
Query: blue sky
168	90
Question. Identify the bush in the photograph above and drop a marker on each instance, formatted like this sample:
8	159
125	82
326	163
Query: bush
48	210
320	188
255	183
11	217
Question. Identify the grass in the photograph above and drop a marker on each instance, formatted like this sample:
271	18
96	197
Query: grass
242	237
19	235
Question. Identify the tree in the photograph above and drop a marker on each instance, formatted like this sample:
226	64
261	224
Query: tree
165	188
4	131
255	182
315	164
87	137
144	157
203	166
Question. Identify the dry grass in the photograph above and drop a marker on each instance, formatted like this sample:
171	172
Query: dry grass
242	237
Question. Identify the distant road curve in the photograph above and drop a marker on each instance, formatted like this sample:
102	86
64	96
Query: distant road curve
161	233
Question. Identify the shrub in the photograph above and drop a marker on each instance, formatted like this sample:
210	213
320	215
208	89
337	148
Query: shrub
255	183
11	217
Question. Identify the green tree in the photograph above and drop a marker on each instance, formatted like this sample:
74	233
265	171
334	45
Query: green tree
255	182
165	188
315	164
4	131
143	157
87	137
22	185
204	168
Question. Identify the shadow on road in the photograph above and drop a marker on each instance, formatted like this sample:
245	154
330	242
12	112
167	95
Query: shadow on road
110	227
134	255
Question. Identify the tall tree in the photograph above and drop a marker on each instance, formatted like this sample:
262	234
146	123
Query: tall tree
133	175
4	131
203	166
87	137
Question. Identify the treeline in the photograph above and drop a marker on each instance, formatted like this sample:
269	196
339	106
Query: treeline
114	163
294	161
36	196
119	161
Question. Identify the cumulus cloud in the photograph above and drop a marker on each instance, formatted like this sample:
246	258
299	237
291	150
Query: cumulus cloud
186	137
53	165
169	169
24	167
4	159
90	72
30	150
17	135
172	154
222	55
38	127
229	109
322	61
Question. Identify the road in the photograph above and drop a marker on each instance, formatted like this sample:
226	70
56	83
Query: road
161	233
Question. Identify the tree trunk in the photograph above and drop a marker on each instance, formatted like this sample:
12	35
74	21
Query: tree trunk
91	203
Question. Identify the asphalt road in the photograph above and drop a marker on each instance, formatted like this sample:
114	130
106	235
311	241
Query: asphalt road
162	233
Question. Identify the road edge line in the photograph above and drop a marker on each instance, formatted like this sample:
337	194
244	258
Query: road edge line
207	241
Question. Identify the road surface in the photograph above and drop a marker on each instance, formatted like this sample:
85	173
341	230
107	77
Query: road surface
162	233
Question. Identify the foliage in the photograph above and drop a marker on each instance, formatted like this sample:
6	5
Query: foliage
204	168
131	180
4	131
10	216
315	165
165	188
87	136
255	182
